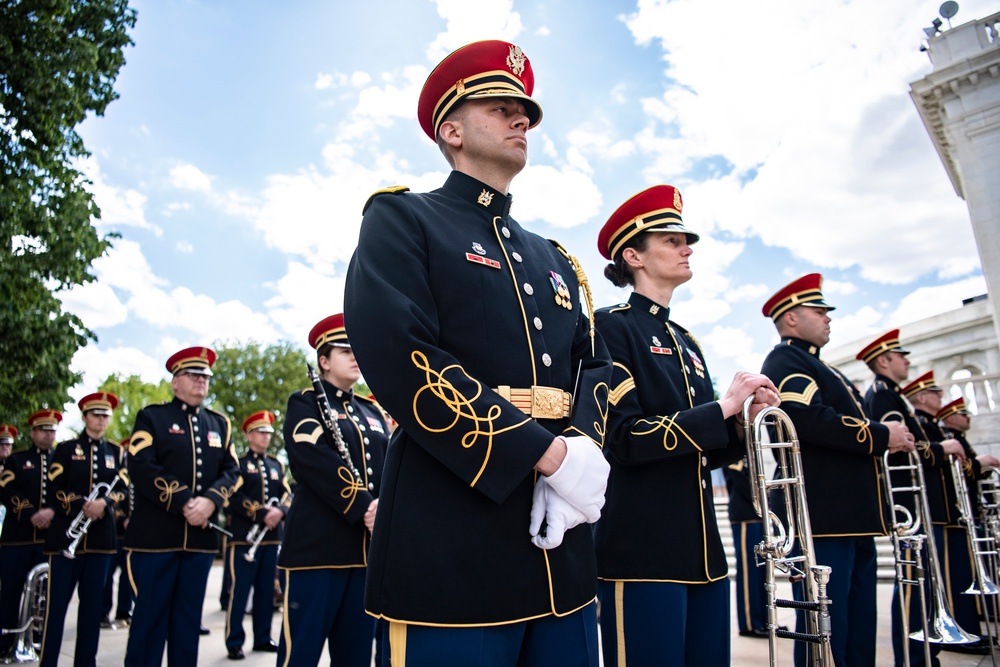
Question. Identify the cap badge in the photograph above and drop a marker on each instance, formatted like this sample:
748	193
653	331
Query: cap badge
478	247
515	60
678	204
561	289
485	197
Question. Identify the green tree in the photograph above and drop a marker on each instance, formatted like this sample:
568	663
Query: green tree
133	395
251	377
58	63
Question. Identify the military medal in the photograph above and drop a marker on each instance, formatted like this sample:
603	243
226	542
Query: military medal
561	290
214	439
657	347
109	461
699	367
485	261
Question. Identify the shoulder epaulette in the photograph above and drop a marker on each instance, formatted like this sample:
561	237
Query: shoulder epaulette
221	414
615	308
308	389
879	385
369	399
394	190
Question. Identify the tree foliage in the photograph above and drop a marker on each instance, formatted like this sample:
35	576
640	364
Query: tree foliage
251	377
133	395
58	63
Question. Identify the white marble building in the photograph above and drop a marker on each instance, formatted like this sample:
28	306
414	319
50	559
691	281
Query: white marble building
959	103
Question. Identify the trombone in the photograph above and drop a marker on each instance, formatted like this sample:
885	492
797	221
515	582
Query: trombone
940	627
982	550
256	535
778	542
81	523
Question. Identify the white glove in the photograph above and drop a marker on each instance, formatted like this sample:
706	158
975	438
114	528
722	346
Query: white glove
558	514
583	477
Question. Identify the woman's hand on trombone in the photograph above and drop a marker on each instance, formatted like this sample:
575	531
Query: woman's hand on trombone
743	386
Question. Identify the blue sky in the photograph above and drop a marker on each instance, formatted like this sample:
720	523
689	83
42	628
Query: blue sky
249	134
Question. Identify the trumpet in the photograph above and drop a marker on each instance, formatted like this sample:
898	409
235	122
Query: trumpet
256	535
778	541
81	523
940	627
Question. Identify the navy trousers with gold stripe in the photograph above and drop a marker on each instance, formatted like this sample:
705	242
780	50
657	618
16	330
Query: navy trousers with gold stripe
660	623
567	641
86	574
169	589
326	606
751	597
258	575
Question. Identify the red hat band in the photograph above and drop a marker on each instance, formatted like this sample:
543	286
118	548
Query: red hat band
655	209
259	421
922	383
887	342
329	330
805	291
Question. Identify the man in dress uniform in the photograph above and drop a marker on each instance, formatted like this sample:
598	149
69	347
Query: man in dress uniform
336	444
8	434
76	472
183	469
22	488
884	402
953	547
472	562
748	532
259	505
123	614
841	448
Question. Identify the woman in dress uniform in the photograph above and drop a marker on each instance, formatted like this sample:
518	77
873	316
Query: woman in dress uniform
663	585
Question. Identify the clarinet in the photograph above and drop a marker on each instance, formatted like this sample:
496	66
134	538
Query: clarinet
330	422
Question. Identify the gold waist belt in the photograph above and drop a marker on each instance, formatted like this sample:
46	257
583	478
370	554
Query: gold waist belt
539	402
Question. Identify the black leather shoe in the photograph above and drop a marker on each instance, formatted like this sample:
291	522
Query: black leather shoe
203	631
756	633
268	647
236	654
980	647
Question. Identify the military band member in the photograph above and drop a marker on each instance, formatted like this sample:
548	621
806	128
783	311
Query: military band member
884	402
76	470
488	392
183	469
952	541
955	421
325	549
664	585
748	532
8	434
841	447
259	504
23	484
123	612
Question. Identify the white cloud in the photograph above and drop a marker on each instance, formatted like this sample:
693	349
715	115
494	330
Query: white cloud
867	321
838	287
543	31
95	303
930	301
695	312
203	316
727	342
190	177
97	363
120	207
173	207
185	247
304	296
561	197
840	170
473	20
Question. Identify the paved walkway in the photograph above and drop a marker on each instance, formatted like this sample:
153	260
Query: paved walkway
746	652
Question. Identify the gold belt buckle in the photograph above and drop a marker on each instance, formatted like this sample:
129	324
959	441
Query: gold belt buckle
547	403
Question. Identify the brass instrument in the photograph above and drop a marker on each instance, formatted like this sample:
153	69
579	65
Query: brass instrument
330	422
81	524
906	535
256	535
983	550
941	626
778	541
31	616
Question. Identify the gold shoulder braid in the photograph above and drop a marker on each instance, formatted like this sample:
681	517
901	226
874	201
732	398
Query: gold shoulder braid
581	278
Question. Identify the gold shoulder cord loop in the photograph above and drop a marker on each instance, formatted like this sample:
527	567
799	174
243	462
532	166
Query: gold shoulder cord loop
581	278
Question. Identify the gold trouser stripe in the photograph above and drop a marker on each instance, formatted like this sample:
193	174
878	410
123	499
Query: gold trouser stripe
286	629
230	565
748	619
620	621
397	644
45	626
131	579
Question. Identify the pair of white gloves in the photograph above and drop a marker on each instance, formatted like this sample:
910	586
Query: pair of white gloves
572	495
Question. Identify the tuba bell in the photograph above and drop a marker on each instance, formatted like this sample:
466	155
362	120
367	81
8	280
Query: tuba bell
31	615
772	429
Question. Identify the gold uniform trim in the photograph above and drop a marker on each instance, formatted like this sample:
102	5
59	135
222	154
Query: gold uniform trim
672	433
140	441
803	397
397	644
6	477
55	470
